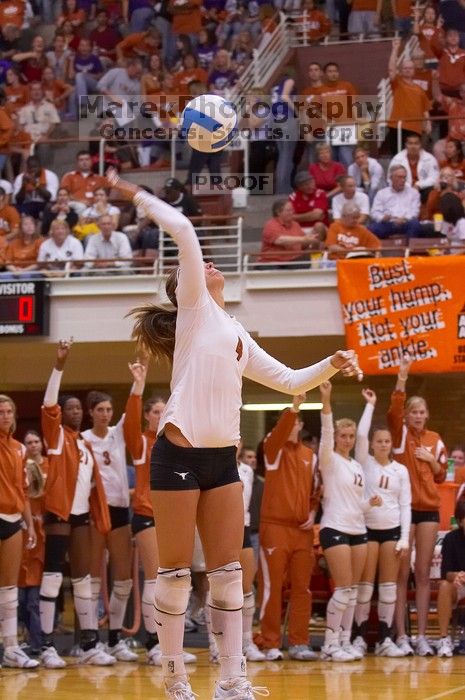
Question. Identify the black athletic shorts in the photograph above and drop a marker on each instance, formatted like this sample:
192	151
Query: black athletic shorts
391	535
333	538
8	529
73	520
247	543
425	516
174	468
119	517
139	523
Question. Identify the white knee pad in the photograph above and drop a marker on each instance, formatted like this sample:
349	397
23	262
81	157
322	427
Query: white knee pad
364	592
172	589
95	584
341	597
122	589
82	587
51	584
387	593
148	593
226	587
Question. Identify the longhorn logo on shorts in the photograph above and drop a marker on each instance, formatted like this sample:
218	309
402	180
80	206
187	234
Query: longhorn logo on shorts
182	475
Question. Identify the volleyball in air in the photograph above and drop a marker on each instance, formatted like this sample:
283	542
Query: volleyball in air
209	123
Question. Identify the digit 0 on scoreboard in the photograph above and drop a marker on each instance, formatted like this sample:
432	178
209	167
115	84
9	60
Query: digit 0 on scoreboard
24	308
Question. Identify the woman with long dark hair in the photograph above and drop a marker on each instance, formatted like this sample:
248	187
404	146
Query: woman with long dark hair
194	476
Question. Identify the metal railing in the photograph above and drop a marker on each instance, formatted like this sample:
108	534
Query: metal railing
221	243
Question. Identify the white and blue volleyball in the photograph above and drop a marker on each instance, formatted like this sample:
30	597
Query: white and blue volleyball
209	123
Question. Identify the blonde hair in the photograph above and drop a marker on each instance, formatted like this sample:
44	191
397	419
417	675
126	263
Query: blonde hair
59	222
413	401
7	399
344	423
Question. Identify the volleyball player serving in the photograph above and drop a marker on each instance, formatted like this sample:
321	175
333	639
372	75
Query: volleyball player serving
194	476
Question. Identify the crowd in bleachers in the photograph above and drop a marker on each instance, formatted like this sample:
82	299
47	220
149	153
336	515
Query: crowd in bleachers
186	48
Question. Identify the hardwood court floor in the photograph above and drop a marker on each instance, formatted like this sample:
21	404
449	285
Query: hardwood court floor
373	678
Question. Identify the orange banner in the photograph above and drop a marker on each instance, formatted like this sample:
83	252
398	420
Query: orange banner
405	305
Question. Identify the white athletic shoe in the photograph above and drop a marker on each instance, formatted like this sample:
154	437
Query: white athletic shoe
404	645
360	644
252	652
274	654
121	652
180	691
357	654
238	689
154	655
423	647
97	656
334	652
388	648
15	657
50	658
445	647
301	652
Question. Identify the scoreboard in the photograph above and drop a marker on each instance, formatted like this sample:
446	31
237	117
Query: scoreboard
24	308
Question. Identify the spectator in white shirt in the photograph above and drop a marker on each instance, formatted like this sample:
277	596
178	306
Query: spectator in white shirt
367	173
396	208
39	116
348	195
102	248
60	251
421	167
100	207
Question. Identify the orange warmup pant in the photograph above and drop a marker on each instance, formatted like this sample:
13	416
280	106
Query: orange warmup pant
286	554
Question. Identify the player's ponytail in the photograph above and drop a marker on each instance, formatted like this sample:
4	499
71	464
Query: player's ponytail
155	327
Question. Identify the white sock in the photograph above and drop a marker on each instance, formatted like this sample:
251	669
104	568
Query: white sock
148	606
211	637
49	590
8	615
387	593
118	602
248	611
348	616
95	585
362	608
334	611
82	594
227	630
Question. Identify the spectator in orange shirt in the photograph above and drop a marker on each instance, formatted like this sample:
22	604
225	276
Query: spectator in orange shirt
187	17
445	199
283	241
455	108
82	182
454	158
348	234
55	91
16	92
451	64
139	45
423	76
71	13
12	12
427	26
410	104
364	17
190	72
9	218
21	253
152	79
314	23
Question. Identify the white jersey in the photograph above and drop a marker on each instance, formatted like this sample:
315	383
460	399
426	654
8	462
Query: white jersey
80	503
343	486
212	350
391	482
246	476
110	455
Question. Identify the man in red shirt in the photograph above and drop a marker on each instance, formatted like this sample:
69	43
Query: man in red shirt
451	65
283	240
309	203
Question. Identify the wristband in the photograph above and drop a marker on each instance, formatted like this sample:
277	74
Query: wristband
402	545
401	378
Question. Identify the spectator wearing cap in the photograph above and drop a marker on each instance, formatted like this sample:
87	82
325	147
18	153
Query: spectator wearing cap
175	194
347	234
309	203
108	249
367	173
396	208
34	188
350	194
284	241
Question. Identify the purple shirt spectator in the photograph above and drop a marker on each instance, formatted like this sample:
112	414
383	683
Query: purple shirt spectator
88	64
222	79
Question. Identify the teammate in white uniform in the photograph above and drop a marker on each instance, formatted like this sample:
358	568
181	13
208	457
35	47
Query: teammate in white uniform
388	529
194	476
110	454
343	534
